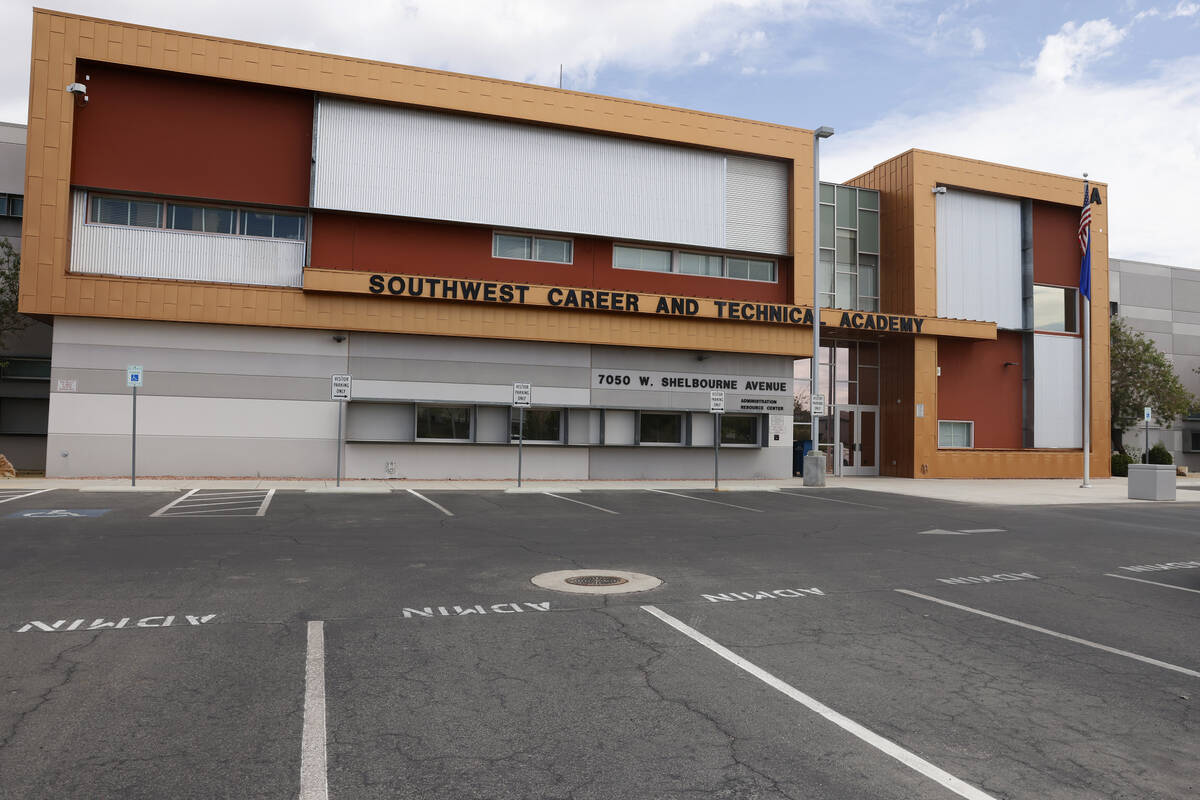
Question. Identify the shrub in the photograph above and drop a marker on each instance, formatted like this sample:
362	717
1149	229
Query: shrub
1159	454
1120	465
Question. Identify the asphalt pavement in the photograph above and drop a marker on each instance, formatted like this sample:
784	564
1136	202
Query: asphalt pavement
837	643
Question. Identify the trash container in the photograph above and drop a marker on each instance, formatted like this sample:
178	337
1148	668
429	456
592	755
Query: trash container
1151	482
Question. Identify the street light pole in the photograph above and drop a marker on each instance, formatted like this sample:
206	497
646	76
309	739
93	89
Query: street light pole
814	462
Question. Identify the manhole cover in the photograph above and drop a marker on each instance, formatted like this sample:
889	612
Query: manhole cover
597	580
594	581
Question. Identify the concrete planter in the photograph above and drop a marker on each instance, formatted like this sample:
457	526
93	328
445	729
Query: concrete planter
1151	482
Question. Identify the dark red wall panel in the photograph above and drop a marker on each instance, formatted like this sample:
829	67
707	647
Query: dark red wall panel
1056	253
157	133
415	247
975	385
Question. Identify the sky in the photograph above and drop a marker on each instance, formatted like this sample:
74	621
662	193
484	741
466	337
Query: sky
1108	87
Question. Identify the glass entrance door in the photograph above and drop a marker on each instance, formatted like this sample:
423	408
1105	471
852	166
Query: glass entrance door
858	437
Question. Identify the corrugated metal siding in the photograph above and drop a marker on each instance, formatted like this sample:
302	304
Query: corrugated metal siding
404	162
756	204
181	255
1057	391
979	258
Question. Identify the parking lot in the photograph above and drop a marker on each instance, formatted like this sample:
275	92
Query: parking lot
832	644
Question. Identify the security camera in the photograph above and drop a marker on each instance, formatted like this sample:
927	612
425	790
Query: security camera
339	338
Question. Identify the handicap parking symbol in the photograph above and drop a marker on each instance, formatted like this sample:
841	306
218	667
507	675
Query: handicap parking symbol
52	513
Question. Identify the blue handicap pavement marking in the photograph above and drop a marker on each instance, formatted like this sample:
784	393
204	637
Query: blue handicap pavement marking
46	513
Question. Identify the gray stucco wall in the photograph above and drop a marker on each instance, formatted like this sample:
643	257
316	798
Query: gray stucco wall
245	401
1163	302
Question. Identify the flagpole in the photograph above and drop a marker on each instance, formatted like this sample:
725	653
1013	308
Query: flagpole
1087	349
1087	392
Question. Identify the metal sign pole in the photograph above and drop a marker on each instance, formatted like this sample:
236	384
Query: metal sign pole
133	444
341	404
520	442
717	451
340	390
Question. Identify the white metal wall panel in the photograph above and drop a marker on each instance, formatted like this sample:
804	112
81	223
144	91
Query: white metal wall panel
181	255
379	159
756	205
979	258
1057	391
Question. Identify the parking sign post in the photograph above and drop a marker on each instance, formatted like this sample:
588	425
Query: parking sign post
522	399
133	379
716	405
340	391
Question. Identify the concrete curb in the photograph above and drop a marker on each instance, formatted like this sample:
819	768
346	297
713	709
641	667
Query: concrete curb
541	490
348	490
132	489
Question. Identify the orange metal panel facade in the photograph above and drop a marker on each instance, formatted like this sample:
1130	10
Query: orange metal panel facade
909	384
61	41
906	184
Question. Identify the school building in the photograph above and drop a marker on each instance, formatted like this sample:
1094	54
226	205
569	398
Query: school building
245	221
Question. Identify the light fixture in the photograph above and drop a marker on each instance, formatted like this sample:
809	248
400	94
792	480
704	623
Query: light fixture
80	91
939	190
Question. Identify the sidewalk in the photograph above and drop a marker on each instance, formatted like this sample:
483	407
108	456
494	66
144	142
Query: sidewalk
988	492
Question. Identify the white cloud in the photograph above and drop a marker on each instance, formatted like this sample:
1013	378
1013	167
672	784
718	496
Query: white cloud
524	41
978	40
1185	9
1141	138
1066	53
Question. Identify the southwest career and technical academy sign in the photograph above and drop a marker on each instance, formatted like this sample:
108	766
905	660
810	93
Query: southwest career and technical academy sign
427	288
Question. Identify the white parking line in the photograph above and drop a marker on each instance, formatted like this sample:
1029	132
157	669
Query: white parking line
704	500
314	779
1152	583
580	502
1048	632
438	506
810	496
172	504
19	496
888	747
218	503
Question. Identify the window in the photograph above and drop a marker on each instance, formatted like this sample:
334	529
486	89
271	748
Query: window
1192	439
711	265
275	226
11	205
848	264
531	248
700	264
739	429
25	369
954	433
444	423
750	269
541	424
122	211
196	218
660	427
105	210
1054	309
641	258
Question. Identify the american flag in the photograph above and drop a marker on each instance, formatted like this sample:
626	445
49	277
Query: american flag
1085	244
1085	221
